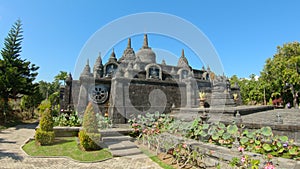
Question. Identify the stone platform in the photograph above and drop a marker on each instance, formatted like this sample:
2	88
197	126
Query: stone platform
192	113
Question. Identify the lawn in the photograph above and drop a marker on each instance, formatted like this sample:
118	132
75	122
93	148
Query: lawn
66	146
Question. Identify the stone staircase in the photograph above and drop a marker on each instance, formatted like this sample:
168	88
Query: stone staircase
119	144
220	97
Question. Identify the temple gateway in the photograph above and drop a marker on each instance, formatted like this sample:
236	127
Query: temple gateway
135	84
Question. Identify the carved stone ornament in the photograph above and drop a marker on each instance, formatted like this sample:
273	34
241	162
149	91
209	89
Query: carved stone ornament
99	94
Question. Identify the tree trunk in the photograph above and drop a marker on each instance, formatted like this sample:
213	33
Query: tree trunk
6	109
294	98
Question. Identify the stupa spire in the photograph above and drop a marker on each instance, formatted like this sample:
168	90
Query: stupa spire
112	57
129	43
145	43
183	62
87	70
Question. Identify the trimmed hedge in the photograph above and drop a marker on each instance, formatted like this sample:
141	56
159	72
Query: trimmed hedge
45	134
89	136
44	137
90	124
87	140
46	122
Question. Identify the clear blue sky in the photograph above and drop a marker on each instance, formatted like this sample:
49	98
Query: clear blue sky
244	33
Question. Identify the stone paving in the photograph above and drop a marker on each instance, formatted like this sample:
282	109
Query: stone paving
12	156
289	116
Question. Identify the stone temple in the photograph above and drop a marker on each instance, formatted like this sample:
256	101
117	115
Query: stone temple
135	84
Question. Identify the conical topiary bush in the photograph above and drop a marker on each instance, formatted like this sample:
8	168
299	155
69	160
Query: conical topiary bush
89	136
44	135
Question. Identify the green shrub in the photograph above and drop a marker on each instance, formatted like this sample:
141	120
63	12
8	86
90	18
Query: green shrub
90	132
46	122
90	124
44	137
44	105
87	140
64	120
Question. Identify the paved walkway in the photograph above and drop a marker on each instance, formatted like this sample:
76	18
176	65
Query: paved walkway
12	156
289	116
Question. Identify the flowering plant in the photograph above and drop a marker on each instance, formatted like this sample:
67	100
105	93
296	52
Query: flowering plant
269	165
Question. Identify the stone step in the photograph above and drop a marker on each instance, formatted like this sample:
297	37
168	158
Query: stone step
120	145
122	126
116	138
126	152
115	132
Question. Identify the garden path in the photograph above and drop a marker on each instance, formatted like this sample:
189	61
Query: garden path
12	156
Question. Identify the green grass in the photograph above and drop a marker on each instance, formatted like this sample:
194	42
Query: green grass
66	147
156	159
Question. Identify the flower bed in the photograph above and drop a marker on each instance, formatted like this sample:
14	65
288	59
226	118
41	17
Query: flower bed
193	142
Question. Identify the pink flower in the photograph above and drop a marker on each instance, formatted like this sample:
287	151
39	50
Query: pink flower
243	159
269	166
134	125
241	149
184	145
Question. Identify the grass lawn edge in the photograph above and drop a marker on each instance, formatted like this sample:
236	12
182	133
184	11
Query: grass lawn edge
67	157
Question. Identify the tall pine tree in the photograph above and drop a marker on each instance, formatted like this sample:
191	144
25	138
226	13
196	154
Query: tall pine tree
16	74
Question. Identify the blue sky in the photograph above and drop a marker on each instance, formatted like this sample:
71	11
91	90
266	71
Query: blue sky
244	33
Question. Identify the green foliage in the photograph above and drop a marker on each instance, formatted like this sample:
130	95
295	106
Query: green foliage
104	122
16	74
46	122
234	162
251	89
185	155
30	102
282	68
87	140
266	131
54	98
67	147
44	106
90	124
46	88
62	76
90	135
65	120
44	137
260	141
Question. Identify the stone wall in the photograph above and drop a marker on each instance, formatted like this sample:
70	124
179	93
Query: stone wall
136	96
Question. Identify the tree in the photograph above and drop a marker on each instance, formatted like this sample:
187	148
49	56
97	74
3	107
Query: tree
30	102
251	89
62	76
47	88
16	74
282	71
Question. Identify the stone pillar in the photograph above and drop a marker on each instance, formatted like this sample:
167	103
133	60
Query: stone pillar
83	98
117	109
189	93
